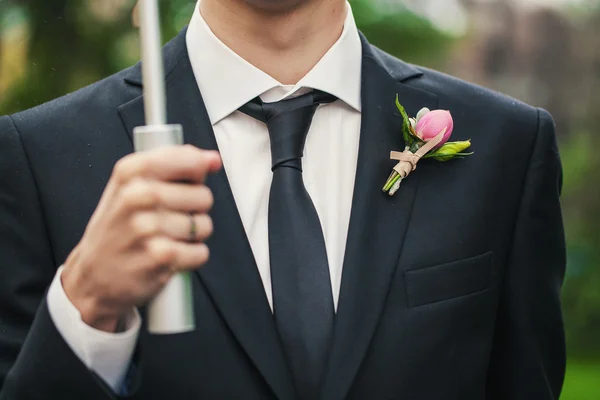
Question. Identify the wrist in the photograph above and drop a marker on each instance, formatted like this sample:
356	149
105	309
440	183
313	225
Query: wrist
89	306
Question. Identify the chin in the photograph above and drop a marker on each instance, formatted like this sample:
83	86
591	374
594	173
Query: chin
277	5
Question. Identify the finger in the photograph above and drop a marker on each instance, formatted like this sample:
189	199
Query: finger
184	197
175	225
215	161
172	163
179	256
143	277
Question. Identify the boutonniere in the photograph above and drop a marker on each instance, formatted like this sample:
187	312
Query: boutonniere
425	136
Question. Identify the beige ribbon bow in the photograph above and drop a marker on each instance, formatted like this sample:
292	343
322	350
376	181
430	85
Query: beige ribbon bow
407	160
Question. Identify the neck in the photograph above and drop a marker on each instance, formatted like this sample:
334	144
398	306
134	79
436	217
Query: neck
286	42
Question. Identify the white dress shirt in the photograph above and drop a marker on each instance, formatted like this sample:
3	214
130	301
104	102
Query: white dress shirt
226	82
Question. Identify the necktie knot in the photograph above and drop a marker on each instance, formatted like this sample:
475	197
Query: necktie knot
288	122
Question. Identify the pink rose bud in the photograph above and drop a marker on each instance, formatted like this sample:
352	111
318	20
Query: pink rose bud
434	122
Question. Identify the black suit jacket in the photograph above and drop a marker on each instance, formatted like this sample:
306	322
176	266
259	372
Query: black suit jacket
450	289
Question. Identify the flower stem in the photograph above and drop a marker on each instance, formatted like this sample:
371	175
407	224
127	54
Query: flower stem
394	176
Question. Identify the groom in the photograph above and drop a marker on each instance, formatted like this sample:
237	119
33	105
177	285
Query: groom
318	285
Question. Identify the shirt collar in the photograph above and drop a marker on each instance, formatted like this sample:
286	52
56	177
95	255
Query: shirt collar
227	81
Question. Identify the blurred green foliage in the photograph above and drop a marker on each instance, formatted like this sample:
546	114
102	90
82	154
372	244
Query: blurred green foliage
582	381
53	47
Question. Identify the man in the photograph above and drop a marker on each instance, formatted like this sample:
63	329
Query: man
318	285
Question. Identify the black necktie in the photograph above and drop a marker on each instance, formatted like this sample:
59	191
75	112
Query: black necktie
302	298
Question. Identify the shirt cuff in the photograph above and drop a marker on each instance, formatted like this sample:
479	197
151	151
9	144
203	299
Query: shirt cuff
107	354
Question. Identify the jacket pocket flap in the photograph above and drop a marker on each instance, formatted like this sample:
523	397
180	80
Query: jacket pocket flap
447	281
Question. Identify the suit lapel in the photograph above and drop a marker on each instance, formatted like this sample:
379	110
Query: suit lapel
378	222
231	276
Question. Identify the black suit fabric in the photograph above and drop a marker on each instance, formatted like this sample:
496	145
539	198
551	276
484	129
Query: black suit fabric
450	289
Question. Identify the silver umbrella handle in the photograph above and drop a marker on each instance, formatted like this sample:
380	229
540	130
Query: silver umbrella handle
171	311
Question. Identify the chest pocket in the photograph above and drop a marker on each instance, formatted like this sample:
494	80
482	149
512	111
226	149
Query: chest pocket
451	280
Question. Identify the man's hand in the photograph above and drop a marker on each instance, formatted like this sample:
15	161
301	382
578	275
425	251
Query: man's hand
138	236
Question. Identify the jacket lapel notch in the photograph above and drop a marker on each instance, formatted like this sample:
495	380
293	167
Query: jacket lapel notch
378	222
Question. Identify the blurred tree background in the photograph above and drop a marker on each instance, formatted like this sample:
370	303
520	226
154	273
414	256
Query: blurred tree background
545	52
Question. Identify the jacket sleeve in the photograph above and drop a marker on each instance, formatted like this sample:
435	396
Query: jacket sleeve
528	359
35	361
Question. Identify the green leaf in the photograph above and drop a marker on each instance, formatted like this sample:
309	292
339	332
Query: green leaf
414	147
406	133
449	149
410	138
447	156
